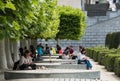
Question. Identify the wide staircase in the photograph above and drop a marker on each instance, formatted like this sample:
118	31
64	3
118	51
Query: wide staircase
56	70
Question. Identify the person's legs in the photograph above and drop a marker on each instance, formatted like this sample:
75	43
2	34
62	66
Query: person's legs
23	66
16	65
89	65
74	57
87	62
81	61
33	66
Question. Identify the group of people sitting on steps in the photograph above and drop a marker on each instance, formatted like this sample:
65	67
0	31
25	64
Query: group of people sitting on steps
27	57
79	56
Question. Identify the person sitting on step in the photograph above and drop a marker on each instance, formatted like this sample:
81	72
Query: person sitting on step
26	62
82	58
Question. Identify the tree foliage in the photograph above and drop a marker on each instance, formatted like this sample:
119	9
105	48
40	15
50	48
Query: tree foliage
72	23
46	25
11	13
28	19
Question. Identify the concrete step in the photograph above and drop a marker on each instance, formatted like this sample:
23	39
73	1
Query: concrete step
62	66
69	61
52	73
54	55
48	57
56	79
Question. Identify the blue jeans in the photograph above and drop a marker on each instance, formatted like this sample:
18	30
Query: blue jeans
87	62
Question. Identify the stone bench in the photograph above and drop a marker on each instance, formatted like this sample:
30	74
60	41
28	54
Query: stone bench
56	79
62	66
56	61
53	55
47	57
52	73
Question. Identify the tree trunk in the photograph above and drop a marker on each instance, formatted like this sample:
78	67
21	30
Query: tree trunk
29	42
34	42
8	53
15	51
3	61
24	43
58	41
11	48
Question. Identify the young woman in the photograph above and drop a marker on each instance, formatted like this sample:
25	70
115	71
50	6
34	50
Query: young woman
26	62
82	58
60	51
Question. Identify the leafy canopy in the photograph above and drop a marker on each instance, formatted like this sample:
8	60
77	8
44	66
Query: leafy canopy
21	19
72	23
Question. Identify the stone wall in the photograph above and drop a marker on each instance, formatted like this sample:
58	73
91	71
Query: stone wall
95	34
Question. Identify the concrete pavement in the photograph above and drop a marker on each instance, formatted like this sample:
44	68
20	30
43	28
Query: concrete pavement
105	75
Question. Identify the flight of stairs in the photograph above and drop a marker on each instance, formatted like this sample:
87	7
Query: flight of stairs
54	70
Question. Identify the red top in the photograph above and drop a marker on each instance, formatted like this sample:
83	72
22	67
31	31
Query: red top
60	52
71	51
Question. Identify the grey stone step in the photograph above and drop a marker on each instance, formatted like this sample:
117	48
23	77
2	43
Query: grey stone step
56	61
56	55
56	79
47	57
52	73
62	66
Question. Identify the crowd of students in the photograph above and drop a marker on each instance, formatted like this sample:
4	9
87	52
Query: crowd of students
27	57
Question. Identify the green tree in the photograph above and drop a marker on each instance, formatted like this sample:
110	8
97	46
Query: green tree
72	23
8	26
46	25
25	19
12	25
47	22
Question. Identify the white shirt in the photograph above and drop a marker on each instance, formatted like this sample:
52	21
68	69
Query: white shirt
80	56
51	52
24	60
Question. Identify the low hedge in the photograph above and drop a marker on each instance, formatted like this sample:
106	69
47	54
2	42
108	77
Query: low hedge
89	52
106	57
99	53
101	57
95	56
112	40
110	60
117	66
